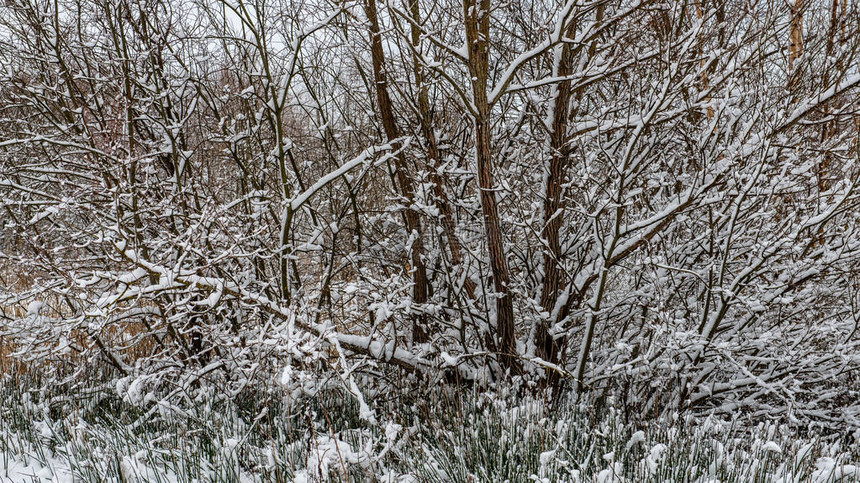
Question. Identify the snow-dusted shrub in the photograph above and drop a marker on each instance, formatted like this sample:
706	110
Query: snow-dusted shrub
621	199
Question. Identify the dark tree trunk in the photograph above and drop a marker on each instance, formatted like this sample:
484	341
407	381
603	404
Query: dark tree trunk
477	20
404	179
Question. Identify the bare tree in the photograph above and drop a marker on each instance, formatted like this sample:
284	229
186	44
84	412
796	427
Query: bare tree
604	196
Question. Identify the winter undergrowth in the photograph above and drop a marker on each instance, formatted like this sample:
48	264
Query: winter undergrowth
435	434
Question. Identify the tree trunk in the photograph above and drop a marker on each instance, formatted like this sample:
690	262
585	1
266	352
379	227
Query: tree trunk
404	180
795	42
477	22
547	347
425	117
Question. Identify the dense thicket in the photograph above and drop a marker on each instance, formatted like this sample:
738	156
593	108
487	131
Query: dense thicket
655	201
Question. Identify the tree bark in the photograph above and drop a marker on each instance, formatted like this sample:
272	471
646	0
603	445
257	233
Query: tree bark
477	23
404	180
795	45
547	347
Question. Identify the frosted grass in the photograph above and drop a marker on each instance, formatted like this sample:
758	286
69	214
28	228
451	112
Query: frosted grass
446	435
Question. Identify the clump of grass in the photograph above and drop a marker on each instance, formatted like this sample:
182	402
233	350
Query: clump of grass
484	438
438	435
